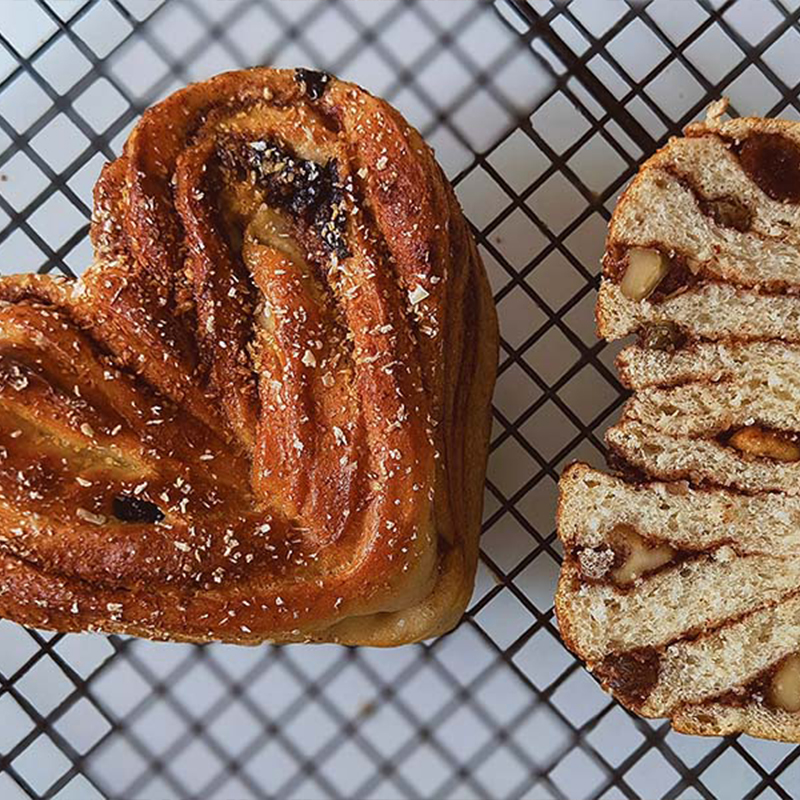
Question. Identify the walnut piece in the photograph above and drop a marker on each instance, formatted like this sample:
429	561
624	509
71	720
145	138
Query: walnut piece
784	689
757	441
638	555
646	269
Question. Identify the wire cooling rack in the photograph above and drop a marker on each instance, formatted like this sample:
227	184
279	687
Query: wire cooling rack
540	113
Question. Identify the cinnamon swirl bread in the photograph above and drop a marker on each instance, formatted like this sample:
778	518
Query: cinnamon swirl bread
263	412
680	586
707	236
685	601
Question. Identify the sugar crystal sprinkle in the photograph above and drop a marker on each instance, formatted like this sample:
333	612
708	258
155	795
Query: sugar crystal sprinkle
90	516
417	295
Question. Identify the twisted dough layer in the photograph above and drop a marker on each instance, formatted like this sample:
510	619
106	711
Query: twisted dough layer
263	412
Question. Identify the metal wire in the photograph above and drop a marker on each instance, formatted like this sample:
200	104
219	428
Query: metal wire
549	110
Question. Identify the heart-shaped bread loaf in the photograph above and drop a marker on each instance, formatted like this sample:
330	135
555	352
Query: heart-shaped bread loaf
263	412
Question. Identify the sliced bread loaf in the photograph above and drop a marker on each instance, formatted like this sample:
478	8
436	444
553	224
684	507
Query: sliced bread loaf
684	602
680	586
708	235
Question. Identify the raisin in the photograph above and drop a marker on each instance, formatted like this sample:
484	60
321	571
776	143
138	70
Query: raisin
314	83
632	675
665	336
132	509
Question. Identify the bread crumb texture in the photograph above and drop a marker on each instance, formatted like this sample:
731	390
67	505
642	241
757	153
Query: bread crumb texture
679	586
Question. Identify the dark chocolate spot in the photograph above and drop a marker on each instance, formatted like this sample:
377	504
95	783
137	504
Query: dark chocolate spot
728	212
314	83
632	675
666	336
133	509
772	162
623	468
305	188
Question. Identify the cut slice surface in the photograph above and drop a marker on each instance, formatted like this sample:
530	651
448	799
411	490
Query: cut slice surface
680	585
678	639
721	209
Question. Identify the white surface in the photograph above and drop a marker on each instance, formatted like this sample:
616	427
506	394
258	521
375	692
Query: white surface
459	691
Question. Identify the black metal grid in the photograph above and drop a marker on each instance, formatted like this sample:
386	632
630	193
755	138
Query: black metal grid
540	131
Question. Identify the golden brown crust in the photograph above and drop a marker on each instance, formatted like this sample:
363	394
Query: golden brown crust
566	579
263	413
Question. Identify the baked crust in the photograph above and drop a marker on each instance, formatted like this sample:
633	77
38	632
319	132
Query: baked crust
263	412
